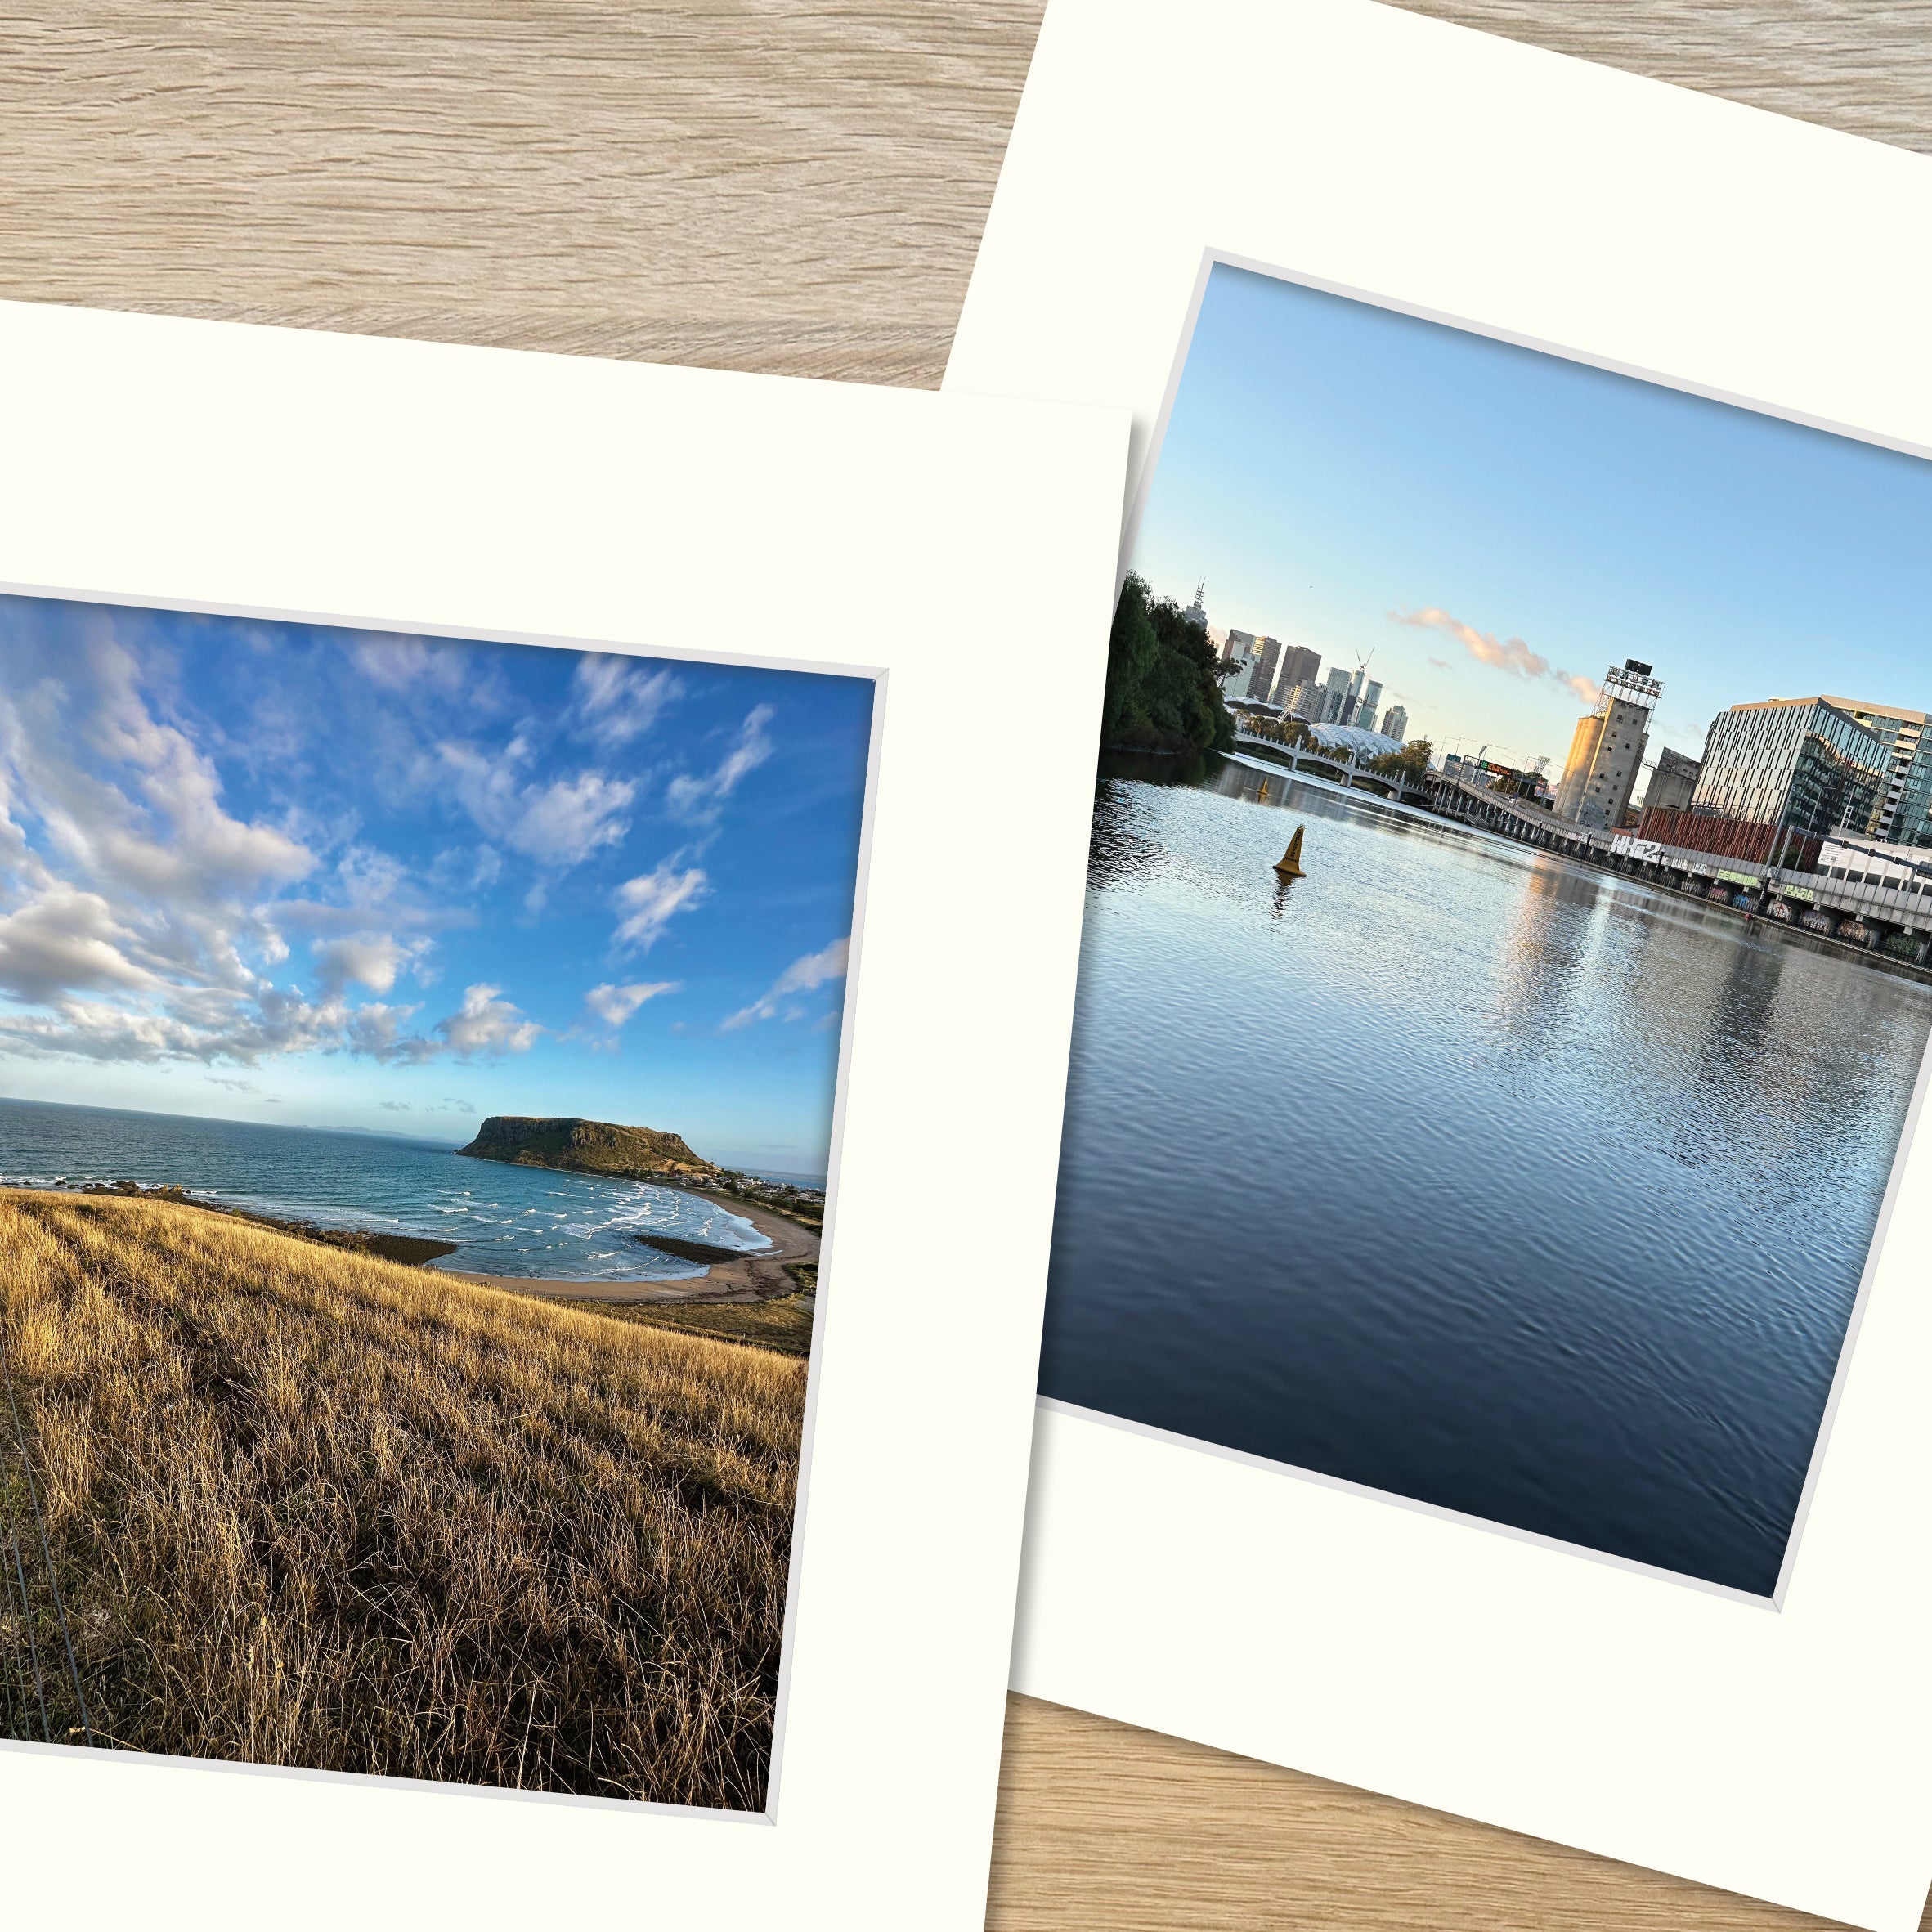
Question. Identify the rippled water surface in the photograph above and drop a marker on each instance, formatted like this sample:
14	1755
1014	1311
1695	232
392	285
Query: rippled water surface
508	1220
1464	1173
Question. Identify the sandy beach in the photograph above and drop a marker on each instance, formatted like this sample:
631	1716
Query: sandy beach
757	1277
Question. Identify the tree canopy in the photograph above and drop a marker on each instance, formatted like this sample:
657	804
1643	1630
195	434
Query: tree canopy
1411	762
1161	691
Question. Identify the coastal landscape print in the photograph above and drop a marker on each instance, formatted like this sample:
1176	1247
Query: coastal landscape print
417	1069
1506	975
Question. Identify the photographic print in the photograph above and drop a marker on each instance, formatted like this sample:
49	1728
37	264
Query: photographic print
417	1069
1505	976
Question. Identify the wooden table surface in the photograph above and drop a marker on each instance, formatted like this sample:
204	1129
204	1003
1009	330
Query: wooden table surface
795	185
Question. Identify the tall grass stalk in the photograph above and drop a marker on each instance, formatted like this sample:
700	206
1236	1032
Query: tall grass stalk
310	1508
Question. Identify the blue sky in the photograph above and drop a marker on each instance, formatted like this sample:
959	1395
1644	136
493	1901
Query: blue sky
1498	525
333	878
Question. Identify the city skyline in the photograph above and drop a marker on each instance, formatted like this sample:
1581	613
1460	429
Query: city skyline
302	875
1492	527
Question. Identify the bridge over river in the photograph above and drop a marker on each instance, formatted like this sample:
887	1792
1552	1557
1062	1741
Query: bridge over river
1334	762
1883	925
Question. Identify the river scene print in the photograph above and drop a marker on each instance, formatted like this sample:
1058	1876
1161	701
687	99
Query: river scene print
1505	975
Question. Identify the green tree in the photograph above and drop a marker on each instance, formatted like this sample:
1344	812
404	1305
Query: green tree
1411	762
1162	694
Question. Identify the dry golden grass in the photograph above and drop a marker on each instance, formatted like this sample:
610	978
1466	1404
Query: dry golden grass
310	1509
784	1324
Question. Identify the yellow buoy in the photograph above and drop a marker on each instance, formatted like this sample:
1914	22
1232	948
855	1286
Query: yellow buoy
1290	864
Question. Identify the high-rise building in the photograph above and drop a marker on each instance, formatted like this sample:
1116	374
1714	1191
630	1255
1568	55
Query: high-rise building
1260	687
1299	665
1911	816
1900	732
1394	725
1672	782
1196	612
1334	698
1237	663
1360	696
1305	701
1776	777
1607	749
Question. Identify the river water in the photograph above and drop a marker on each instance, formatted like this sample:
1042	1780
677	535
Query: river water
532	1222
1465	1173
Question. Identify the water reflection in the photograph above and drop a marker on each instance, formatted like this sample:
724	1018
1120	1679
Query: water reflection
1460	1171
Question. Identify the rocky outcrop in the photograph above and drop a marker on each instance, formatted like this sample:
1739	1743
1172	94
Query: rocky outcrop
589	1147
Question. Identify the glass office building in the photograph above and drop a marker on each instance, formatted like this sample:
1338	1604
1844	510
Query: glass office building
1912	818
1776	777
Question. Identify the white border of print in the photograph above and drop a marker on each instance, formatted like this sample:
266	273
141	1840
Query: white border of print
491	495
1644	228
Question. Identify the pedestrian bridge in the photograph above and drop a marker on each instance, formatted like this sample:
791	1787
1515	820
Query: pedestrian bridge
1330	762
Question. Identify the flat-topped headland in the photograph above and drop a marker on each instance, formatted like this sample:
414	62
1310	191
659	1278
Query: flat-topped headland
588	1147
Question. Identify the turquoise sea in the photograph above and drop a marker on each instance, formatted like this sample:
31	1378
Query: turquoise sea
527	1221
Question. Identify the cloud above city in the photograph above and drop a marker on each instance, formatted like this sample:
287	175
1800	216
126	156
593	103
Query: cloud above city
1507	654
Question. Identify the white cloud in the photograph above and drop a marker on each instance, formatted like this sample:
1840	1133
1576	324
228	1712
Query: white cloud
565	822
1509	654
62	940
561	823
650	901
144	880
369	877
486	1024
700	799
614	1005
414	663
803	976
616	699
365	959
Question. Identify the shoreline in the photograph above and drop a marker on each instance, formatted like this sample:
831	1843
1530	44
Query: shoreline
406	1251
759	1276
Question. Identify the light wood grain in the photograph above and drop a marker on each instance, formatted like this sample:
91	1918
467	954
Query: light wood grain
1861	66
787	187
775	185
1104	1826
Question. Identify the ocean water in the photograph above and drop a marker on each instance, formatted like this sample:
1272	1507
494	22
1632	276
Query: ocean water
1464	1173
527	1221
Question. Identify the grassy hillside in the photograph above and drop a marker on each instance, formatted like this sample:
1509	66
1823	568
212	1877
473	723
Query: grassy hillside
783	1323
311	1508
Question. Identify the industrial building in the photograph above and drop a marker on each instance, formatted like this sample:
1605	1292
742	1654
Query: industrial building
1607	751
1673	782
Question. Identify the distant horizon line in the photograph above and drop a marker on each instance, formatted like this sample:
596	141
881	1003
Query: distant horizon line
813	1176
